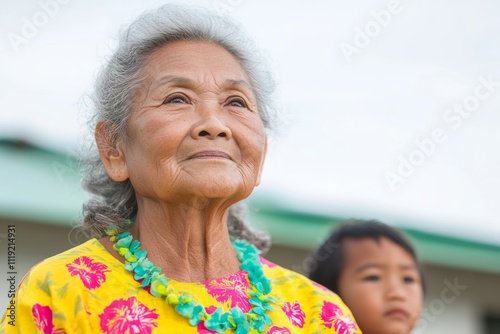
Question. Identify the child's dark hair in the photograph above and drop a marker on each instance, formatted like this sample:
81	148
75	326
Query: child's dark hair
328	259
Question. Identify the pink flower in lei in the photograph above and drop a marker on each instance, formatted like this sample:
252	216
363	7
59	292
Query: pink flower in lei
294	313
127	317
232	288
332	315
43	320
91	273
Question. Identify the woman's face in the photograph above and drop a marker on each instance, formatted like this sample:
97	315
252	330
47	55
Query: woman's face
380	283
194	129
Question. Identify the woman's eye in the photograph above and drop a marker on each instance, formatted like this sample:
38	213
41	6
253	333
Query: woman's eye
237	102
176	99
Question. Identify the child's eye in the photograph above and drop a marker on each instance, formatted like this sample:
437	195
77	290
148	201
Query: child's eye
372	278
408	279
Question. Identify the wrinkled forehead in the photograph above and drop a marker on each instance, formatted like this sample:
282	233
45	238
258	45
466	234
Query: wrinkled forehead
197	61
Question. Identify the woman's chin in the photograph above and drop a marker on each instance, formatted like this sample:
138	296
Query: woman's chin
218	183
223	191
213	187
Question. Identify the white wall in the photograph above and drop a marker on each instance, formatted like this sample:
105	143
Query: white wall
460	309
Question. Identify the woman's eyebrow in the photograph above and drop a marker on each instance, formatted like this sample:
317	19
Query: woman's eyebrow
181	81
186	82
237	84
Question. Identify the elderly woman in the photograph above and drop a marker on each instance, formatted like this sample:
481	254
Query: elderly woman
180	124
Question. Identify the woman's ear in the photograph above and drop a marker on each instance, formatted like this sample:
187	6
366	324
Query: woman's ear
111	152
257	183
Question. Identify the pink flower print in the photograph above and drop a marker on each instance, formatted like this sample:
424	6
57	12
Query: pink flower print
294	314
201	325
331	314
91	273
344	328
267	262
43	319
233	288
128	317
279	330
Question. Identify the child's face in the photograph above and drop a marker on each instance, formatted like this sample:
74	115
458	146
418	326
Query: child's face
380	283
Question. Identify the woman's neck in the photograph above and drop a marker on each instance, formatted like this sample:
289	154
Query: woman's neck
189	243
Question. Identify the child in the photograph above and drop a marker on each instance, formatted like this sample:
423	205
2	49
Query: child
375	270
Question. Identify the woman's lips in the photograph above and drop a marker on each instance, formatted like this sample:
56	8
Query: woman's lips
211	155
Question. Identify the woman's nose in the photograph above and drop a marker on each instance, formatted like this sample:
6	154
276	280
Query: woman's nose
210	126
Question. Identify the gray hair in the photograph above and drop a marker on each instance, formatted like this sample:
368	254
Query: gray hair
114	202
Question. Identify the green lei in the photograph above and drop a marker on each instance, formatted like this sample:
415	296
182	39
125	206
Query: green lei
255	321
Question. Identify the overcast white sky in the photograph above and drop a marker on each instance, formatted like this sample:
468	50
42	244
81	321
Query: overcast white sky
347	121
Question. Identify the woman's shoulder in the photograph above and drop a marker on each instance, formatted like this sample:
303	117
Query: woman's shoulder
297	283
89	256
305	301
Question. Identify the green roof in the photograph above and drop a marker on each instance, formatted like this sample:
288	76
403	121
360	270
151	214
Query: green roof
296	228
44	186
39	184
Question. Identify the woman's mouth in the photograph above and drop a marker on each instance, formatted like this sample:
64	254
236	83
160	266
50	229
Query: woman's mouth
211	155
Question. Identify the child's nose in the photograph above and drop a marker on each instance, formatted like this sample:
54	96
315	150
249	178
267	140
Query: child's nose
395	289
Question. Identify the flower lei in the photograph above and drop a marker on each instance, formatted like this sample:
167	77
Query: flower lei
255	321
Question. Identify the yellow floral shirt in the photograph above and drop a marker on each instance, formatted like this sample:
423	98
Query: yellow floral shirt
87	290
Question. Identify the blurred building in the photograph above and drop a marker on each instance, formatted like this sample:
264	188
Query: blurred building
41	198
